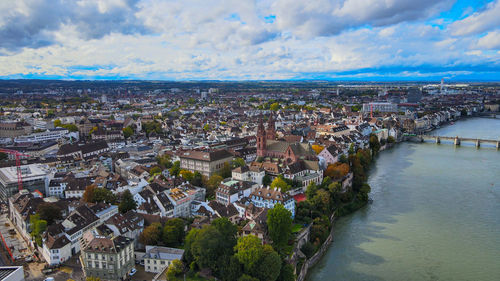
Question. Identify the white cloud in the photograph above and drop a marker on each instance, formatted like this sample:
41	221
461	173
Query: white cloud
490	41
478	22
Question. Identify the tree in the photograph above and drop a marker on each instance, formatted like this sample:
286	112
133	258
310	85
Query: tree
174	270
245	277
197	179
322	200
206	248
88	194
269	265
286	273
186	174
57	123
248	251
155	170
103	195
231	271
175	169
266	180
38	226
128	132
225	172
374	144
164	161
352	149
212	184
238	162
206	128
275	106
337	170
343	159
173	232
3	156
278	182
92	278
151	234
317	148
311	190
279	225
228	233
190	239
127	202
49	212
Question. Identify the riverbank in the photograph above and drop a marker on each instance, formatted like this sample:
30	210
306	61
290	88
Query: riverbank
415	212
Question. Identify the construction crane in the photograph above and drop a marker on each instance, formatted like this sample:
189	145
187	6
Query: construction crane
18	156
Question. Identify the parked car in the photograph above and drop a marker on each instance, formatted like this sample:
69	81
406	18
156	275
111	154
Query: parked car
132	272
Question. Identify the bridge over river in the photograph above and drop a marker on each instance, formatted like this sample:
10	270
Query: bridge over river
455	140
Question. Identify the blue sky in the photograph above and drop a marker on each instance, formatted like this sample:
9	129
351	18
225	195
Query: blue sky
373	40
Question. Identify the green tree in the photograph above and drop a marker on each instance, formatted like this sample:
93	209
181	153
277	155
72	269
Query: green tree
374	144
238	162
38	226
279	225
190	239
212	184
322	200
49	212
186	174
128	132
70	127
3	156
225	172
248	251
206	128
155	170
197	179
173	232
164	161
103	195
278	182
127	202
269	265
175	169
286	273
206	248
228	232
266	181
245	277
57	123
275	106
231	270
174	270
151	235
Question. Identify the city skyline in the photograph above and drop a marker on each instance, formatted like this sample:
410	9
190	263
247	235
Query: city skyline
251	40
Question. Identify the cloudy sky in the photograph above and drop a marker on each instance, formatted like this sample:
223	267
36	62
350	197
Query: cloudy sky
243	39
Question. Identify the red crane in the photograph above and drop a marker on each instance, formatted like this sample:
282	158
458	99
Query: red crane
18	156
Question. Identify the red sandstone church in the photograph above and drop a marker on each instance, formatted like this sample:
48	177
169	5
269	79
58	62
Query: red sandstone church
268	146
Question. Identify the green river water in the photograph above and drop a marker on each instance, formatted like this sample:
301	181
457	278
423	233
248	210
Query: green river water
435	214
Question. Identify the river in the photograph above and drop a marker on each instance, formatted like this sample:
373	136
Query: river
435	214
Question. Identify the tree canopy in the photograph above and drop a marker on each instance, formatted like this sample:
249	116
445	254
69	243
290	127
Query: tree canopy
127	202
279	225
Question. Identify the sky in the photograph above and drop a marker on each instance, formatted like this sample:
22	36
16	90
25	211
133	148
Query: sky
370	40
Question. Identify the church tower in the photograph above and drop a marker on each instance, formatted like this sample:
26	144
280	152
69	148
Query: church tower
261	139
271	129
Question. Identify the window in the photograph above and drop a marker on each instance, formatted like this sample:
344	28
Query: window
162	262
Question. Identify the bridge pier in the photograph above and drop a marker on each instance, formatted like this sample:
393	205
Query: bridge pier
457	141
438	140
478	143
498	144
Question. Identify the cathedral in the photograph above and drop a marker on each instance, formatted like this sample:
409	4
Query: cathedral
268	146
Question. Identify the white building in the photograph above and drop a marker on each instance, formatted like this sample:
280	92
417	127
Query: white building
380	107
158	258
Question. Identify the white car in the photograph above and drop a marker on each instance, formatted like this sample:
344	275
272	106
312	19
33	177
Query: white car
132	272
